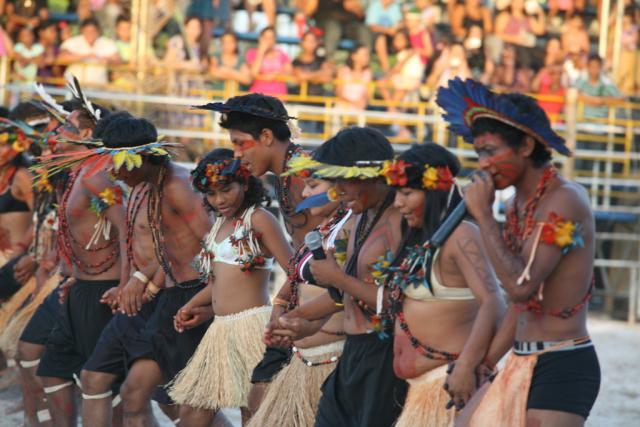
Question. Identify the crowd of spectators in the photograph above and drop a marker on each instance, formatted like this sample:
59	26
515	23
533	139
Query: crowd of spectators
336	48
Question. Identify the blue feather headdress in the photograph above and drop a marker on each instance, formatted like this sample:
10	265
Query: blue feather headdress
466	101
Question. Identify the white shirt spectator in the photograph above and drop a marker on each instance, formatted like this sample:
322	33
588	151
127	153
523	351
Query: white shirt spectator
91	71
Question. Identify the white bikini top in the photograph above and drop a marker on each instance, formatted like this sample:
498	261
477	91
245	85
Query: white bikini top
239	248
440	292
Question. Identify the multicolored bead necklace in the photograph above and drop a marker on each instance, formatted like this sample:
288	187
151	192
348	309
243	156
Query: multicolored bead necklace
309	363
283	192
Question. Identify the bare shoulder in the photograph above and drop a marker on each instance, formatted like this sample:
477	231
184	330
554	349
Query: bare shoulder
262	219
97	182
179	178
23	174
568	199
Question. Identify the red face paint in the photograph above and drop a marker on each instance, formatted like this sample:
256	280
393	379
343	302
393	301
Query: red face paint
245	145
506	170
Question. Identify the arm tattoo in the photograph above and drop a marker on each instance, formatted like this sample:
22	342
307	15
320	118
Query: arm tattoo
510	263
472	253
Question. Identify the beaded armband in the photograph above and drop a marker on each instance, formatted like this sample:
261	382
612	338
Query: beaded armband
108	197
563	233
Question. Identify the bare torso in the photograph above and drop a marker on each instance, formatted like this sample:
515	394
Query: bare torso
570	280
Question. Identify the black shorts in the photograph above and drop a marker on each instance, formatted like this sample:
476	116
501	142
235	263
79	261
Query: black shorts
169	348
41	324
121	343
77	329
8	283
363	389
566	381
273	360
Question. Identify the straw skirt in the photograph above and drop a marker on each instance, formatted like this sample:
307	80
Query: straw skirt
293	395
218	375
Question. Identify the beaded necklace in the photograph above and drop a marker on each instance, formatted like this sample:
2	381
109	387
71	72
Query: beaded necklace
133	208
513	234
7	175
283	192
154	215
292	267
362	233
309	363
66	240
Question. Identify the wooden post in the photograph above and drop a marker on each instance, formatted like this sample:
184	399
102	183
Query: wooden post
571	132
4	78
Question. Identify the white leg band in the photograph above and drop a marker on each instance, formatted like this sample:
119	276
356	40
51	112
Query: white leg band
11	363
176	421
54	388
97	396
29	363
116	401
44	416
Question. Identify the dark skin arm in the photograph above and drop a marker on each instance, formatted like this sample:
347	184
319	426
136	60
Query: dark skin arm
481	279
195	312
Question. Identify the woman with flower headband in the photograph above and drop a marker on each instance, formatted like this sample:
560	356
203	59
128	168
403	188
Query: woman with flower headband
292	398
453	286
237	261
543	258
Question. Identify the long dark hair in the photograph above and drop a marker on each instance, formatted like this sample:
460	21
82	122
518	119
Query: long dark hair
438	204
256	195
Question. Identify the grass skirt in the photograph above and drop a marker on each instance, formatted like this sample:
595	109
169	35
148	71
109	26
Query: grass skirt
293	395
10	335
505	403
218	374
426	401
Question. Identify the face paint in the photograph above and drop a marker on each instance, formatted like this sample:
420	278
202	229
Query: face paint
246	145
506	170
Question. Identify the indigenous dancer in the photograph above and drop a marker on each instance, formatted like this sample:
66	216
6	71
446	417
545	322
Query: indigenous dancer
163	206
544	260
91	224
261	130
237	260
48	191
292	398
363	389
453	286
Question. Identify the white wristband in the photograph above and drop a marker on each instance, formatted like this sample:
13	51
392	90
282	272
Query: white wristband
141	277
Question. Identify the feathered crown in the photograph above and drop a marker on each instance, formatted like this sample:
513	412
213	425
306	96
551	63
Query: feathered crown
74	87
19	134
98	157
466	101
50	104
221	173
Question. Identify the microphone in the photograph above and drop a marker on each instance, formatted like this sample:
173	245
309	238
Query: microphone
313	241
448	225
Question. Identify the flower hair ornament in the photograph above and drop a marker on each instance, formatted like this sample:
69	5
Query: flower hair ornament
429	178
466	101
98	157
222	173
20	135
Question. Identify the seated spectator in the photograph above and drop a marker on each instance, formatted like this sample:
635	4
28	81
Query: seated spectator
209	12
470	13
89	54
504	73
27	54
384	19
519	24
574	67
405	76
420	37
596	91
451	63
123	38
107	13
269	65
575	36
354	78
311	68
627	74
24	14
229	64
480	62
553	52
184	57
48	39
568	7
548	83
337	19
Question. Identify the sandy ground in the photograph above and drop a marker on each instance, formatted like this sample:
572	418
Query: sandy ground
618	403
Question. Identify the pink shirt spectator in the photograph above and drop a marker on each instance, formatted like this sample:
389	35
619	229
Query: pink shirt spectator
552	108
272	64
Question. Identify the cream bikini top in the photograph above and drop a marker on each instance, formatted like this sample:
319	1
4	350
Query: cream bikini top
440	292
227	251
